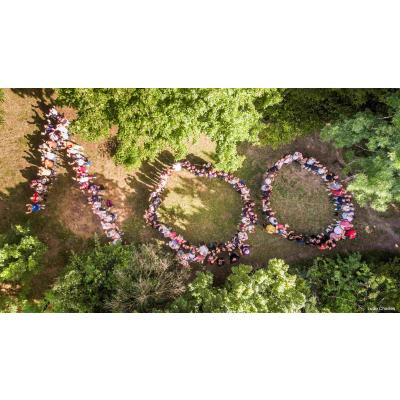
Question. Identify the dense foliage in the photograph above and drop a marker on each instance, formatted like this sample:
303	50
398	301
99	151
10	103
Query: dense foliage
117	278
148	282
302	111
271	289
341	284
372	139
349	284
150	121
89	280
20	254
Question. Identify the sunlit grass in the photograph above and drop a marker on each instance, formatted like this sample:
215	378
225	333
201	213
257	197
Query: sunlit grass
202	209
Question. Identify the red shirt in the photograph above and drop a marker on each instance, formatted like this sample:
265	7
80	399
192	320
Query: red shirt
35	197
338	192
351	233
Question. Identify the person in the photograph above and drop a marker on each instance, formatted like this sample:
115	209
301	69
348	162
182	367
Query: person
212	247
107	225
242	236
203	250
36	198
323	246
338	230
177	167
234	258
33	208
345	224
335	236
212	258
221	261
351	233
273	221
174	245
337	192
244	249
43	171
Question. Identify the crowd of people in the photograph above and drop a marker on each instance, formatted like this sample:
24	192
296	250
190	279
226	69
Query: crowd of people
212	253
56	138
341	228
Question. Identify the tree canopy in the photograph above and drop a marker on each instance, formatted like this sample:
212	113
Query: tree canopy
349	284
150	121
303	111
372	141
20	254
338	284
118	278
270	289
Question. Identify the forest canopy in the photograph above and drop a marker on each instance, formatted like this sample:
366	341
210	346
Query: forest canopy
150	121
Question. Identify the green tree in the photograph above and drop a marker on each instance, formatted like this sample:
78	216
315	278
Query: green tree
348	284
148	282
117	278
20	254
18	303
303	111
89	280
150	121
270	289
372	141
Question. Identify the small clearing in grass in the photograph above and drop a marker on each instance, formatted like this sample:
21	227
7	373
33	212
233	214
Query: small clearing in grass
201	209
300	199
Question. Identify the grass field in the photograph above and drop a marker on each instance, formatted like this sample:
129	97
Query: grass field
203	210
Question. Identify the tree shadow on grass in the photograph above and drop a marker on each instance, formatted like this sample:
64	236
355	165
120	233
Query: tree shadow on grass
143	183
49	230
66	225
44	101
44	97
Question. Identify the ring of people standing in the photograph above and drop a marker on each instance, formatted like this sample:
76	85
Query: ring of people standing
212	253
341	229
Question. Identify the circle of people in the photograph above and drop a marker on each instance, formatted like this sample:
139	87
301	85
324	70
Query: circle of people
342	228
212	253
57	137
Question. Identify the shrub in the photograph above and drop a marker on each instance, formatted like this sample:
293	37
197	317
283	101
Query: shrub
21	254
